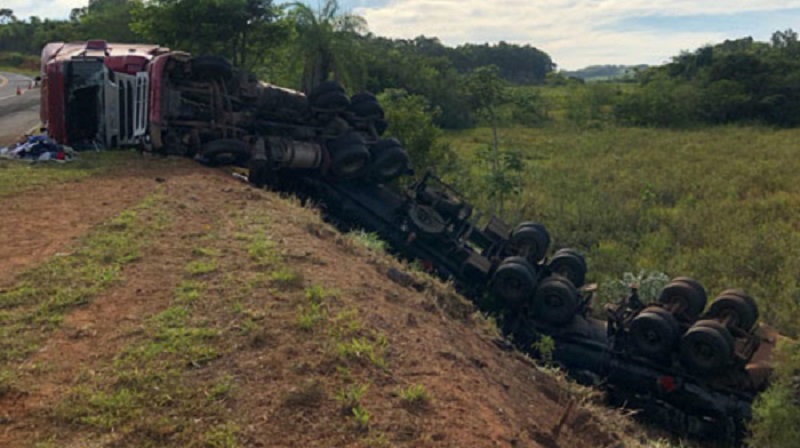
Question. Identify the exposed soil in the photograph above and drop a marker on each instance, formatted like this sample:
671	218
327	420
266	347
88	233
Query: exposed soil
94	334
38	224
286	379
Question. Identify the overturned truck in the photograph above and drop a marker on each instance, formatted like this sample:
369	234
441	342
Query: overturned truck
694	368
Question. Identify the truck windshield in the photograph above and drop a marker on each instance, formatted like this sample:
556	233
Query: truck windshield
83	88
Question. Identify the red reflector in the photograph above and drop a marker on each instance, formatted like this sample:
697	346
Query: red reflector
667	383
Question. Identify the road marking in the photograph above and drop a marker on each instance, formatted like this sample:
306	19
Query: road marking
3	81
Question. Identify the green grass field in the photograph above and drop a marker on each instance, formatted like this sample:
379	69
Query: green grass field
721	205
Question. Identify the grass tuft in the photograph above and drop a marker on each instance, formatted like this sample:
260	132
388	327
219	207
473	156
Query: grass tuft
415	395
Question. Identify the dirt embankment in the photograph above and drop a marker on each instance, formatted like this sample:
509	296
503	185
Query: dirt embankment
305	340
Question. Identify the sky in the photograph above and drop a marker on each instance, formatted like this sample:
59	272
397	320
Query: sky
575	33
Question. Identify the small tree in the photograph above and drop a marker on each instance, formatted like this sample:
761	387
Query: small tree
411	120
488	92
326	39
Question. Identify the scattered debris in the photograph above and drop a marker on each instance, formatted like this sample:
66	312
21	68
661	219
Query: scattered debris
38	148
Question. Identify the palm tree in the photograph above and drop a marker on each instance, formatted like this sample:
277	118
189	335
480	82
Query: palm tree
326	41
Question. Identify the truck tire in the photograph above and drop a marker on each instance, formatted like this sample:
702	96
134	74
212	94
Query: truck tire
426	220
331	101
381	126
368	110
514	281
389	161
363	97
556	301
707	348
735	308
654	333
226	151
349	156
206	68
684	297
325	87
530	240
571	264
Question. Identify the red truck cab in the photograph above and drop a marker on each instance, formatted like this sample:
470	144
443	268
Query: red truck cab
95	94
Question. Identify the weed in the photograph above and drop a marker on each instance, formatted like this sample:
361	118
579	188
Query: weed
285	278
347	323
361	418
379	440
201	267
222	436
544	347
221	389
310	315
350	397
317	294
262	251
188	291
368	240
6	381
415	395
345	373
247	326
99	409
206	252
362	349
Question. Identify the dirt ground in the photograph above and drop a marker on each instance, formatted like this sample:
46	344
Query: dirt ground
288	383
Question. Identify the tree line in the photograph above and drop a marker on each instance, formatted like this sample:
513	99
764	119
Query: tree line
290	44
737	81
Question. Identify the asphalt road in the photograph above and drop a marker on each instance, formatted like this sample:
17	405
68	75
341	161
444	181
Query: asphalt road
18	114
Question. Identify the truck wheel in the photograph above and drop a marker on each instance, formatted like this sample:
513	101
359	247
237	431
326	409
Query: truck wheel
569	263
367	110
530	240
684	296
206	68
363	97
514	282
325	87
389	161
654	333
426	220
348	161
331	101
556	300
381	126
226	151
707	348
735	307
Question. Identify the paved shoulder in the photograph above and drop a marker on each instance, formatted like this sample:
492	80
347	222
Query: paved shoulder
18	113
10	81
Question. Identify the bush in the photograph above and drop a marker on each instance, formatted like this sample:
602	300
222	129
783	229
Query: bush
776	413
411	120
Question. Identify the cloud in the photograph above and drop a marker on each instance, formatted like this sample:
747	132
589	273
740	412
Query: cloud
55	9
577	33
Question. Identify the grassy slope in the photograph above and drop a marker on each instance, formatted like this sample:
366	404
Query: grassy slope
721	205
215	315
16	176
